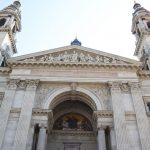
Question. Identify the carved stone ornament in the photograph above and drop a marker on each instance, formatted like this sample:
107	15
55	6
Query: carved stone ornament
125	87
134	86
12	84
73	86
115	86
32	84
75	57
22	85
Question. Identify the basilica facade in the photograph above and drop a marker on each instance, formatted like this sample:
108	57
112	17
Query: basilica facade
74	97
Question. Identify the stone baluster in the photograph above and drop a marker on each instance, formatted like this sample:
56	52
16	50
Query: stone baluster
24	123
141	117
6	106
119	117
101	139
42	139
112	138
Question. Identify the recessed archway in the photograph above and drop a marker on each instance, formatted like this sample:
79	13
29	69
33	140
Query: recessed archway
86	96
72	120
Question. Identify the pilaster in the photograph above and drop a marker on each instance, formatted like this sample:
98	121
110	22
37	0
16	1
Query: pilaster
119	116
6	106
25	116
141	117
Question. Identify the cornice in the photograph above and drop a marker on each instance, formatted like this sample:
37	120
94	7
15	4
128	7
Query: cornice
5	70
132	67
41	112
143	74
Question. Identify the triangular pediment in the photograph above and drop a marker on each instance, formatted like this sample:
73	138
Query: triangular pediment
74	54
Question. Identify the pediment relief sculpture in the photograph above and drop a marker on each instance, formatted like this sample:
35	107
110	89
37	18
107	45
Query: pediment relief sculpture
75	57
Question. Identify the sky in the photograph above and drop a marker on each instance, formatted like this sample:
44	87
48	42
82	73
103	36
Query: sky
103	25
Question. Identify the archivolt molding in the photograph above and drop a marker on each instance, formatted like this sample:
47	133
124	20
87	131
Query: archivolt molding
49	103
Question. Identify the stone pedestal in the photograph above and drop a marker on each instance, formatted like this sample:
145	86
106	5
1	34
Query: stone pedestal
42	140
101	139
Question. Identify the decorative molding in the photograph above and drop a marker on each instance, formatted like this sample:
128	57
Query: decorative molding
144	74
103	114
41	112
5	70
73	133
110	67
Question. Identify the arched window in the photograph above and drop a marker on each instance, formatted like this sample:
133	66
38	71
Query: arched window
2	22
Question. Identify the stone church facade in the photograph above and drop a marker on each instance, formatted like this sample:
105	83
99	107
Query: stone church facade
74	97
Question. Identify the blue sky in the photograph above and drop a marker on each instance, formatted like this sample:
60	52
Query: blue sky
99	24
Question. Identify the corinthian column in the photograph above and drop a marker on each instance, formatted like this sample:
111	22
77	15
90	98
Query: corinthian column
141	117
42	140
101	139
119	117
25	116
6	106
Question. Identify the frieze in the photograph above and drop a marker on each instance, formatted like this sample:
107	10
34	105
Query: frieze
73	133
75	57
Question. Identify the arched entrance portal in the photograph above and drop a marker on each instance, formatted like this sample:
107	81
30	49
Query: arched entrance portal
72	126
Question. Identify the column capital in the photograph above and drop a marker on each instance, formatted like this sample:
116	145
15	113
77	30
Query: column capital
114	86
32	84
101	127
134	85
12	84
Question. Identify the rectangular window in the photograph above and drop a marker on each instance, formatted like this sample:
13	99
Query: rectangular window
1	97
